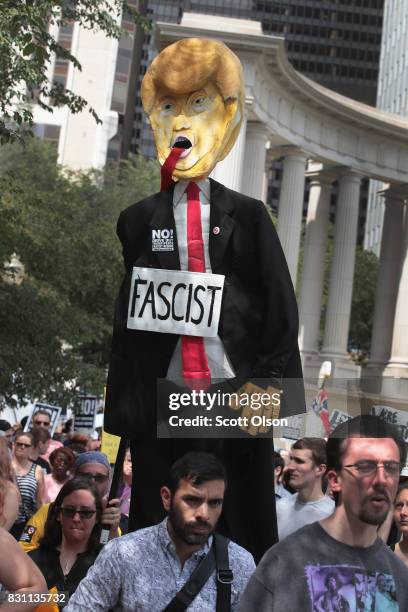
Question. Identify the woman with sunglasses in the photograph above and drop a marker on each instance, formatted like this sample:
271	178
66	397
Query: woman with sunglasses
30	480
71	538
62	461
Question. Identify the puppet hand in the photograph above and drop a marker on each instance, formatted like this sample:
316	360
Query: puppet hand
266	401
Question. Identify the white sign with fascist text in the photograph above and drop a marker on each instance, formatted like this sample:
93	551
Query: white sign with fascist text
175	302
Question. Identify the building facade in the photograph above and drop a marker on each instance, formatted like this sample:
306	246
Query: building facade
327	138
392	97
335	43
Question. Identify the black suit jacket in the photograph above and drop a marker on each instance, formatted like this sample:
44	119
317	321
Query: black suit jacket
259	318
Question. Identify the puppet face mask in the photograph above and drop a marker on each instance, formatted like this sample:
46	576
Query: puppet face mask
200	119
193	94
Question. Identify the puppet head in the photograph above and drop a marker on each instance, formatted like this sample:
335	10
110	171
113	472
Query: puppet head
193	92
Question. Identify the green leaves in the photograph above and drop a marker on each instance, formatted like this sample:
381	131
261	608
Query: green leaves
57	295
27	42
362	308
29	49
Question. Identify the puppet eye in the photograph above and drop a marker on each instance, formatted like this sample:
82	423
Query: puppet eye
198	102
167	106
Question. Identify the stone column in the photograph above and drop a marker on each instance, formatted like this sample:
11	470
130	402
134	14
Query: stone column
397	366
254	160
291	206
388	279
229	170
341	275
314	257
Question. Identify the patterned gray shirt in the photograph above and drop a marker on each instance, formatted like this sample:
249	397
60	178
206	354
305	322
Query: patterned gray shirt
141	571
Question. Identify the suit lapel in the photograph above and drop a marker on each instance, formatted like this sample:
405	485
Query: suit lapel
163	218
221	224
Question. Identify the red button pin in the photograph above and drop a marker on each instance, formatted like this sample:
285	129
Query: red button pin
216	230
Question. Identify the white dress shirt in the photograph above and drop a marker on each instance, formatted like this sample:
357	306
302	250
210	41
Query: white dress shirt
218	362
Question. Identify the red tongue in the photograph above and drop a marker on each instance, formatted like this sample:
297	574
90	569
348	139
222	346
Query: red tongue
168	167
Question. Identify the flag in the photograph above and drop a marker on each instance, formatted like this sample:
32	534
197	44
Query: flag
320	407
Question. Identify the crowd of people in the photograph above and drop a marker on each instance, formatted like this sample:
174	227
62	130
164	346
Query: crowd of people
342	515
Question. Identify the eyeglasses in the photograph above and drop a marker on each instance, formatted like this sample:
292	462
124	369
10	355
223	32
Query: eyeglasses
96	477
45	423
22	445
368	468
69	512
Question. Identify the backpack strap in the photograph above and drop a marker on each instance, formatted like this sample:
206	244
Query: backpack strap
225	575
194	584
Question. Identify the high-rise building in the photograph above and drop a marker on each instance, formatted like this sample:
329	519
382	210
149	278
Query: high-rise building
336	43
128	62
392	97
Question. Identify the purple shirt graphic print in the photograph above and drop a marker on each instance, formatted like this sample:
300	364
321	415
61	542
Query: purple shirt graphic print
310	571
345	588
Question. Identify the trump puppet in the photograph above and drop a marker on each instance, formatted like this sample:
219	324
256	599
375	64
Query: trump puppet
195	228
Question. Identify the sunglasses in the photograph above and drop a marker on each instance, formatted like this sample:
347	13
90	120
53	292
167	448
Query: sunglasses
46	423
22	445
69	512
96	477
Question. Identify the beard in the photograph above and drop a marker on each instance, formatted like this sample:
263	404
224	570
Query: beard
371	515
185	530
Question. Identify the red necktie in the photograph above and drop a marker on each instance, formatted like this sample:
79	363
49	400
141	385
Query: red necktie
196	372
168	167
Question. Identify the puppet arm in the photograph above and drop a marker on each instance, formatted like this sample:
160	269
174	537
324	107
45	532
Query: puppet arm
281	321
278	354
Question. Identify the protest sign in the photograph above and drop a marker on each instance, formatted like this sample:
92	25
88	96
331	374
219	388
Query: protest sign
399	418
294	429
53	412
110	446
337	417
109	442
85	417
175	302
